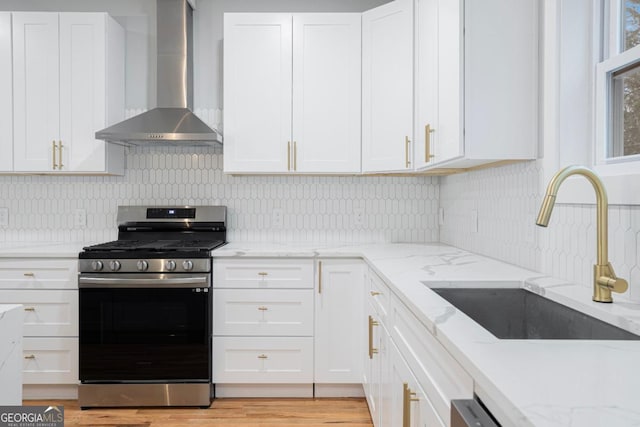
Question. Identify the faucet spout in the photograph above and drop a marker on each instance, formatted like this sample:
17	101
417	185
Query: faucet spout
604	280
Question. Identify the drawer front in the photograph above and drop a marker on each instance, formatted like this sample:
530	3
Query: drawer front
263	273
46	312
379	294
38	273
263	312
438	373
50	361
258	360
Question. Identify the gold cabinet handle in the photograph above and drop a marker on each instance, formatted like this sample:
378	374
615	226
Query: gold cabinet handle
263	308
375	293
427	144
53	155
319	277
29	274
263	356
30	357
60	165
295	156
372	350
30	309
288	155
407	398
262	273
407	141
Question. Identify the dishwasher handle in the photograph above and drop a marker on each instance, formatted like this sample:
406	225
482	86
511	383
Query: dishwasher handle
469	413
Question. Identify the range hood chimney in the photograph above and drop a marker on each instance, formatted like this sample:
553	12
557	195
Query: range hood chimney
172	122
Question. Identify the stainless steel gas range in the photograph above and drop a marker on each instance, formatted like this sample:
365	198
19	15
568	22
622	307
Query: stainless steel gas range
146	309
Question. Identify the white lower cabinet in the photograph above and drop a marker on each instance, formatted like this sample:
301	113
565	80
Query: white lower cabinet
263	327
48	290
259	360
409	405
409	377
287	323
338	306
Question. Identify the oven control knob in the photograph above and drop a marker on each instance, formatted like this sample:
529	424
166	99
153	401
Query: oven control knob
96	265
114	265
187	265
170	265
142	265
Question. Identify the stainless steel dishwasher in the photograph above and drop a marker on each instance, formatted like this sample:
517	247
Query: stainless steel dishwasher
470	413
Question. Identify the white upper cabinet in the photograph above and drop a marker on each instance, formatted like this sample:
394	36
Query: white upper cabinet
68	82
257	92
387	87
476	82
291	93
6	100
326	92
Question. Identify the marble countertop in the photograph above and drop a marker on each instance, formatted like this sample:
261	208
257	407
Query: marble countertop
41	249
545	383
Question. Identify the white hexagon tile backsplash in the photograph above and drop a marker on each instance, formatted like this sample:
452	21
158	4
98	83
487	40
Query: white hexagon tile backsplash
507	200
322	209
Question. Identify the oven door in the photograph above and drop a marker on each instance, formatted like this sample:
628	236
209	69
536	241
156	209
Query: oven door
145	328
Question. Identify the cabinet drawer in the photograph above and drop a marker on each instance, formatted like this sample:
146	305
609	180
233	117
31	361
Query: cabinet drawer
262	360
50	361
38	273
46	312
379	295
438	373
263	312
262	273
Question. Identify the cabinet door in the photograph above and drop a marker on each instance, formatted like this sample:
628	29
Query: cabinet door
263	273
257	92
339	310
46	312
426	83
82	90
36	90
326	92
6	101
263	360
448	136
409	405
50	361
263	312
372	366
387	87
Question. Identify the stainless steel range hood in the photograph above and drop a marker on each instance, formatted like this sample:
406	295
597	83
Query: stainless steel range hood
172	122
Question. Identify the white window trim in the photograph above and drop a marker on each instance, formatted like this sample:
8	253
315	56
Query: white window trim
621	176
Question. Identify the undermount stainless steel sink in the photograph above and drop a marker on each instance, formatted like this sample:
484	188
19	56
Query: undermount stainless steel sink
514	313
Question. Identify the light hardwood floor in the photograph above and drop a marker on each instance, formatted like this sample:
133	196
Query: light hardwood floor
223	413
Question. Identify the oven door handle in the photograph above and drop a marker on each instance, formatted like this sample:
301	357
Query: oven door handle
85	281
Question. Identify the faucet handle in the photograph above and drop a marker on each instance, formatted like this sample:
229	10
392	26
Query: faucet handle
609	280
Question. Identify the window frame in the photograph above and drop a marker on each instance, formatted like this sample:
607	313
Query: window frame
621	175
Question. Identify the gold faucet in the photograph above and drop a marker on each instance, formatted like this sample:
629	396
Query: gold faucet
604	278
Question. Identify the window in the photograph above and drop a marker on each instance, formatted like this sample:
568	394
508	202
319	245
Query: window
618	90
631	24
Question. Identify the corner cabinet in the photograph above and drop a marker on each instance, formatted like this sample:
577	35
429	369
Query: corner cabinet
68	82
387	87
292	93
476	82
